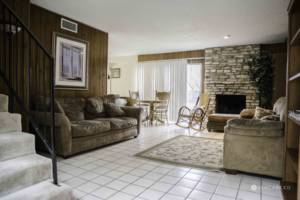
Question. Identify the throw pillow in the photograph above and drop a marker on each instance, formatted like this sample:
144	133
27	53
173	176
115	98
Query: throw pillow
75	116
261	112
73	108
113	110
95	105
247	113
271	118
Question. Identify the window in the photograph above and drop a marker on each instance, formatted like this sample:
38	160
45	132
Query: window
194	76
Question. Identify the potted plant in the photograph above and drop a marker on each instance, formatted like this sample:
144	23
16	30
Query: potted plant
261	74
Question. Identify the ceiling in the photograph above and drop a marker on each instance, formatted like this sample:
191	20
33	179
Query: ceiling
156	26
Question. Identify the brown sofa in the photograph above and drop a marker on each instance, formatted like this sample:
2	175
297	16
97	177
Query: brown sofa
85	124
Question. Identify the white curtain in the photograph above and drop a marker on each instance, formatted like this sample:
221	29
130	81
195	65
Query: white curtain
166	75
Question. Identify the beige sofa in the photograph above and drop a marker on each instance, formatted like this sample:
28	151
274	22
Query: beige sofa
256	146
85	124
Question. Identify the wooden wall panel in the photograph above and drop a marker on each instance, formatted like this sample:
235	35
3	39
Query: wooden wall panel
172	55
21	8
44	23
279	54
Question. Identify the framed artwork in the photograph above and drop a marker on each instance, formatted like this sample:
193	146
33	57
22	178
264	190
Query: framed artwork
71	62
115	73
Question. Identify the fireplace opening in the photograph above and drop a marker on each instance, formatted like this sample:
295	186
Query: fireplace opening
230	104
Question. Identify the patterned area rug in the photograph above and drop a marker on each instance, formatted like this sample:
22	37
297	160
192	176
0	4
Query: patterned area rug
188	151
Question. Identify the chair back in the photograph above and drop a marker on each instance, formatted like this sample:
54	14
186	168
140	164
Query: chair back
163	96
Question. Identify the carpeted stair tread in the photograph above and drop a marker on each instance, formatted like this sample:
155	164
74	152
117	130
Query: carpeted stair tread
21	172
45	190
16	144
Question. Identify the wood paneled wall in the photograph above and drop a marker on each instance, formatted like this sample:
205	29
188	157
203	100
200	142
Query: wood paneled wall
44	23
21	8
172	55
279	54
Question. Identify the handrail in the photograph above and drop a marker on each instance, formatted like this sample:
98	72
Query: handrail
41	72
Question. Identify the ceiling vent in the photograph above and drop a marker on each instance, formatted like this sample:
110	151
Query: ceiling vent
69	25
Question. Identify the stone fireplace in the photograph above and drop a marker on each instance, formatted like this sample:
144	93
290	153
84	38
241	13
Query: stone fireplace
227	74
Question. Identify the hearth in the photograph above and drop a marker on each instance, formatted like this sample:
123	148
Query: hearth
230	104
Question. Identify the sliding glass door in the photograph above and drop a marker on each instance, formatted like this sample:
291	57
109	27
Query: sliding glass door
193	84
176	76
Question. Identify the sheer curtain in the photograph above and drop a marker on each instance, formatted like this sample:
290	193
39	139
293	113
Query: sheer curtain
166	75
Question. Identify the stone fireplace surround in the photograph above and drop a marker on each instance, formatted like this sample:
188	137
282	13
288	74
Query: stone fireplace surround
227	74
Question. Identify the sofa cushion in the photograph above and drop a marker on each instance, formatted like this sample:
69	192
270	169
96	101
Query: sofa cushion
113	110
89	127
122	123
247	113
94	108
261	112
73	108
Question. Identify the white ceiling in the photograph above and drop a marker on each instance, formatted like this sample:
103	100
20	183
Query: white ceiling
155	26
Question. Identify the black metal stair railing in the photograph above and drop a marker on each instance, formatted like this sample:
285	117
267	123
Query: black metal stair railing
26	75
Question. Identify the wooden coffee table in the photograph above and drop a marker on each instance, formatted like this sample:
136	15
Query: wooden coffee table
218	121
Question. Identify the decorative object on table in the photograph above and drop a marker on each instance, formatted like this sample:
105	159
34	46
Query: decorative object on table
188	151
115	72
71	62
261	73
160	110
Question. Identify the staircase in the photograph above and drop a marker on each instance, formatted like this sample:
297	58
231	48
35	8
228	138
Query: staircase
26	76
24	175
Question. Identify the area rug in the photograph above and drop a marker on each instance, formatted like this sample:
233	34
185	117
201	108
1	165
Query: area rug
189	151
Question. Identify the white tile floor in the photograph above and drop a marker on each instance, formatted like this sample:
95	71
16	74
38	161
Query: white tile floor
114	173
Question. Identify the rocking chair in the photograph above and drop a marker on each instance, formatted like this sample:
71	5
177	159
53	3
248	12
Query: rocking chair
199	118
185	115
194	118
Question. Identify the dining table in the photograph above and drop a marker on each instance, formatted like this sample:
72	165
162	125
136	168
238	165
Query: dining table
151	103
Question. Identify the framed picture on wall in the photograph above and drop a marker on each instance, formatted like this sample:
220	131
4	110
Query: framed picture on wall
115	73
71	62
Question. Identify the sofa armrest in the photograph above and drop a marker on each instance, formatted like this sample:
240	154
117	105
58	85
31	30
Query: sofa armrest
134	112
253	127
63	134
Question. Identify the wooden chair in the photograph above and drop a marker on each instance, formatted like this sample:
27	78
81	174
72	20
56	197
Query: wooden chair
199	117
185	115
160	110
135	101
194	118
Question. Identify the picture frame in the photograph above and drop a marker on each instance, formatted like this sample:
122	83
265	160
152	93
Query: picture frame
115	72
71	62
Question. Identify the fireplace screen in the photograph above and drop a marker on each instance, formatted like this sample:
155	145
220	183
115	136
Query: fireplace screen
230	104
